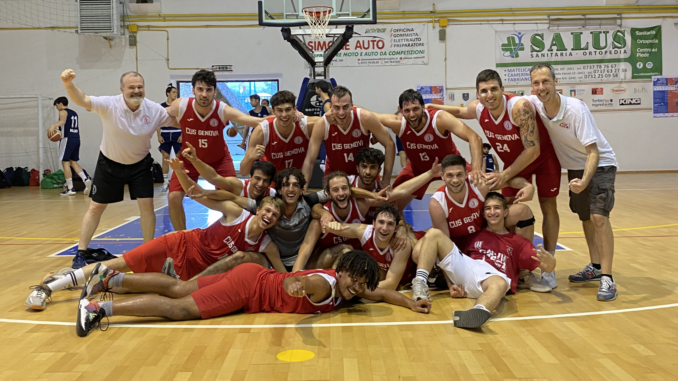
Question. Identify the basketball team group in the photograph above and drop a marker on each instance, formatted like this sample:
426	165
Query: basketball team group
280	248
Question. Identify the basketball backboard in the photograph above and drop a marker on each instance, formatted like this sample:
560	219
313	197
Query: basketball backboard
287	13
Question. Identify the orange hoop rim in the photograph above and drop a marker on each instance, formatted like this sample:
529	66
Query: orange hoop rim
317	11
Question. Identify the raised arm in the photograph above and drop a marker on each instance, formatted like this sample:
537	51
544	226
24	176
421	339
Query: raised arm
468	112
371	123
464	132
317	136
346	230
394	297
77	96
390	121
523	114
231	184
255	150
410	186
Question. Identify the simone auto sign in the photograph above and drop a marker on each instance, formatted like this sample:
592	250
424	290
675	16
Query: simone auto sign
580	55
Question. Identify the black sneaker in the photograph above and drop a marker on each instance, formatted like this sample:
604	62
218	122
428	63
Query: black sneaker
79	260
473	318
98	255
89	317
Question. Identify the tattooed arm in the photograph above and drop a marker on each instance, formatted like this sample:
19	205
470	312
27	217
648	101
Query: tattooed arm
524	116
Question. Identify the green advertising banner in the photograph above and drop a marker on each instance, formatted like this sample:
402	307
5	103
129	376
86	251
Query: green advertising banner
624	54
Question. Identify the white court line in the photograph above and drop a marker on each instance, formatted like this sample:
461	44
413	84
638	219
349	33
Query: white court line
330	325
102	233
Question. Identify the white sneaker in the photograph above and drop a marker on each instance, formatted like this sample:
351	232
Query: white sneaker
38	297
68	192
550	278
88	185
535	284
419	289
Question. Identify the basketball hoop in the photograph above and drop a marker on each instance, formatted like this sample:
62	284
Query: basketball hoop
318	17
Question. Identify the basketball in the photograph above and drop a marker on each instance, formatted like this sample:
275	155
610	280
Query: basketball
232	132
56	136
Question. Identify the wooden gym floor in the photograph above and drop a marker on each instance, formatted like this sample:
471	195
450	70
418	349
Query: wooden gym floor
563	335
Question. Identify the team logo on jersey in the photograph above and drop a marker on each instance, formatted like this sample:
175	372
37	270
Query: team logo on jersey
564	125
356	133
478	245
428	138
473	203
214	122
508	126
145	119
509	251
298	140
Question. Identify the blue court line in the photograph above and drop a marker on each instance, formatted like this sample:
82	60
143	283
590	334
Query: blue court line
199	216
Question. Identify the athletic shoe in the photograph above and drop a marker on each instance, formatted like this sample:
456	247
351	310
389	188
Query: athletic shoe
165	186
549	279
473	318
89	317
608	289
79	260
68	192
419	289
98	255
38	297
52	276
589	273
88	185
168	268
534	283
98	281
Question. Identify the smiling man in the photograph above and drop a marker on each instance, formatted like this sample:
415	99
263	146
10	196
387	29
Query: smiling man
248	287
591	170
202	120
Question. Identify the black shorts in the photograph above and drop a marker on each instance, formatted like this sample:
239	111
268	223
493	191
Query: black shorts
170	141
110	178
598	197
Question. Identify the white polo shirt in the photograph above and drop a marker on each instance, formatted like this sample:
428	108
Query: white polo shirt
572	130
127	134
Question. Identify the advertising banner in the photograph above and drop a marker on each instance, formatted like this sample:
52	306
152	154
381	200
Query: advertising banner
432	93
665	96
624	54
371	45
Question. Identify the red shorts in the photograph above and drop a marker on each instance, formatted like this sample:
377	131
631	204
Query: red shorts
548	178
150	257
407	174
222	294
224	168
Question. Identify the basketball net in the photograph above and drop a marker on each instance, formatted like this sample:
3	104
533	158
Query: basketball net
318	18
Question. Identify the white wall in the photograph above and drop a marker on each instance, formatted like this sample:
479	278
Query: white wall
32	61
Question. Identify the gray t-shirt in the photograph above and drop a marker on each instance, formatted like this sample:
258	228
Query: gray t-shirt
289	233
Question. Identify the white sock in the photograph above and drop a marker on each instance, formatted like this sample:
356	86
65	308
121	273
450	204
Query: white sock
422	274
82	176
481	307
108	307
69	182
76	278
164	176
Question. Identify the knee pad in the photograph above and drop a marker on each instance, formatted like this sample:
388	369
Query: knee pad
525	223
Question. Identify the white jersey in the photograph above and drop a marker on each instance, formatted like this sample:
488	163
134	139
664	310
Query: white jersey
127	134
572	130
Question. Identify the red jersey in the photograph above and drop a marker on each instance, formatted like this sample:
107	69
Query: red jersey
287	152
369	216
385	257
270	296
270	191
205	134
508	253
354	217
504	135
225	238
425	146
465	218
342	146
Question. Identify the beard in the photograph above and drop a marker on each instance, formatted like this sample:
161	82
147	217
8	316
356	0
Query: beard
134	100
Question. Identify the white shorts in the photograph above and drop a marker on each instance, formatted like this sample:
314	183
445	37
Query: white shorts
468	272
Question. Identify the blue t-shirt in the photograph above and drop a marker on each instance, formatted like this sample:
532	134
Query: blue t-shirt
71	129
168	128
489	163
260	114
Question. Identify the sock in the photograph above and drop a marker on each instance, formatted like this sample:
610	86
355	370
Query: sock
423	274
552	252
70	183
108	307
75	278
608	275
164	176
116	280
596	266
481	307
82	176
